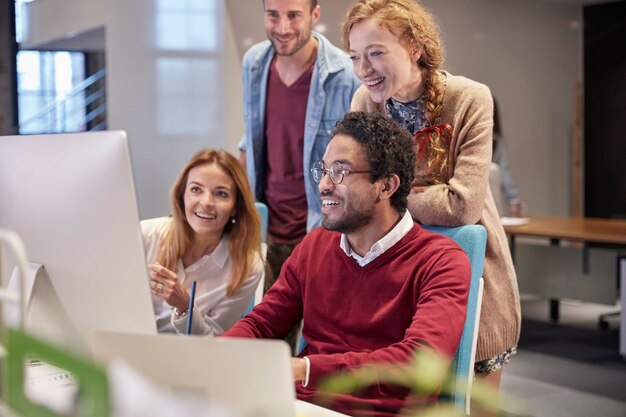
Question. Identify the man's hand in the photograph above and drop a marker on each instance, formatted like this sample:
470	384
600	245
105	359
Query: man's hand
298	366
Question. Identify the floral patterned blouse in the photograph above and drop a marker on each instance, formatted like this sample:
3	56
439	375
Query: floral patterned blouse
411	116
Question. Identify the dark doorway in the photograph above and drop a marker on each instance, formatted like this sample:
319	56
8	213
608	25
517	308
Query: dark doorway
605	110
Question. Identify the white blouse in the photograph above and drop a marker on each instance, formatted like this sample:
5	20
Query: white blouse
213	312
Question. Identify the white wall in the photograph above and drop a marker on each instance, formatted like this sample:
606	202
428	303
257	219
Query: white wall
165	80
234	87
172	102
529	54
48	20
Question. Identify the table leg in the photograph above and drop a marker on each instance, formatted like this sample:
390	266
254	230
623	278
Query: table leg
554	302
554	310
622	328
512	247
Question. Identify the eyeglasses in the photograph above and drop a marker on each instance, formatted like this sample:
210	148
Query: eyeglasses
336	171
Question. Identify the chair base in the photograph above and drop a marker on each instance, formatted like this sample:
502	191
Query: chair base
603	323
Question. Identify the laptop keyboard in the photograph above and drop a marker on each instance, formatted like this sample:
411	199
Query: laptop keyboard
50	386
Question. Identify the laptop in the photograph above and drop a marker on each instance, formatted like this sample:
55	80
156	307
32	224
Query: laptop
250	377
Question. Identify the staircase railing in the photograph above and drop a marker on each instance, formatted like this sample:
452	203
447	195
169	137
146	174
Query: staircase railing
55	117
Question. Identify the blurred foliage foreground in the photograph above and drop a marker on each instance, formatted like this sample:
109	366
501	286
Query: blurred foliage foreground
424	375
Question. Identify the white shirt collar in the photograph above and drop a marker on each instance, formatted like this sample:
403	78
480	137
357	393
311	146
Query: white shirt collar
398	232
221	252
219	256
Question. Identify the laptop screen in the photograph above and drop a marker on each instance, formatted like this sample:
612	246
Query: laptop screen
250	377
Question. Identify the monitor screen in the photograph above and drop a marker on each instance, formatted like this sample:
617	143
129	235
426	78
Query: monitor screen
71	199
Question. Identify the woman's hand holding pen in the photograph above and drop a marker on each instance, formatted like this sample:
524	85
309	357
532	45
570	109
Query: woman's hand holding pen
166	285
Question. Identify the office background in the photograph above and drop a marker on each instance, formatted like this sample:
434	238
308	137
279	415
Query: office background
173	76
174	84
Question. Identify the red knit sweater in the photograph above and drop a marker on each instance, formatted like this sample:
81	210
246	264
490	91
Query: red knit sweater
413	295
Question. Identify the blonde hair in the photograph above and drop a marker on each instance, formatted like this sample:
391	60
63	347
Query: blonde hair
415	28
244	233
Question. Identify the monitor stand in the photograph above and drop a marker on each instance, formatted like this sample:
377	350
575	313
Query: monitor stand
44	314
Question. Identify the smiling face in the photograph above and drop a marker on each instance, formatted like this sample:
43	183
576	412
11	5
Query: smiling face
210	196
288	24
349	206
383	63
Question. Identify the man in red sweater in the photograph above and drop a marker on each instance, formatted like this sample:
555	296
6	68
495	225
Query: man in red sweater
371	285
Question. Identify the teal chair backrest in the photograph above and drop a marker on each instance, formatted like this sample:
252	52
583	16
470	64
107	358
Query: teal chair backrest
258	294
472	239
264	213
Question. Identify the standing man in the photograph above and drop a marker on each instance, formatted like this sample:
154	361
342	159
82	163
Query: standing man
297	85
371	285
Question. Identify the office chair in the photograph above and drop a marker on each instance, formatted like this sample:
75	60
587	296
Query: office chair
603	323
264	213
472	239
258	294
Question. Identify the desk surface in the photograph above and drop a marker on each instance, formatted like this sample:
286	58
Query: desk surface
305	409
574	228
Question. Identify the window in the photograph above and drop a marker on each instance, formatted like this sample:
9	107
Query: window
47	101
187	25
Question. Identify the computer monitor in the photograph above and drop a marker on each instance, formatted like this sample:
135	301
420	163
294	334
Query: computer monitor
71	199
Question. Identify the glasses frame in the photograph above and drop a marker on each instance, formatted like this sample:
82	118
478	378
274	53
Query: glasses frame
335	170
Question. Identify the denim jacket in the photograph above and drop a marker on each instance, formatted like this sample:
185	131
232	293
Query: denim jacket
332	85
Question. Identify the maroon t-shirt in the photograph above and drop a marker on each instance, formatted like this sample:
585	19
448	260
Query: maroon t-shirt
285	113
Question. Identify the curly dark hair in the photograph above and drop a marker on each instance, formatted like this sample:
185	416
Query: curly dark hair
388	146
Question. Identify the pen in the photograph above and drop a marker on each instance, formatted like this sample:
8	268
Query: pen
190	314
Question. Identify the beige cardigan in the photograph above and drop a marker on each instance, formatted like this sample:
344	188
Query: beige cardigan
466	199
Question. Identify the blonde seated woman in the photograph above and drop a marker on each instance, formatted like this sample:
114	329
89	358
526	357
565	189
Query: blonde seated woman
212	237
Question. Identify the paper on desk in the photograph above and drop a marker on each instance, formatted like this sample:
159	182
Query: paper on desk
514	221
132	395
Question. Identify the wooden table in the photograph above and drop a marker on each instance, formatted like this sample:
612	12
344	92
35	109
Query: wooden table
577	229
573	228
